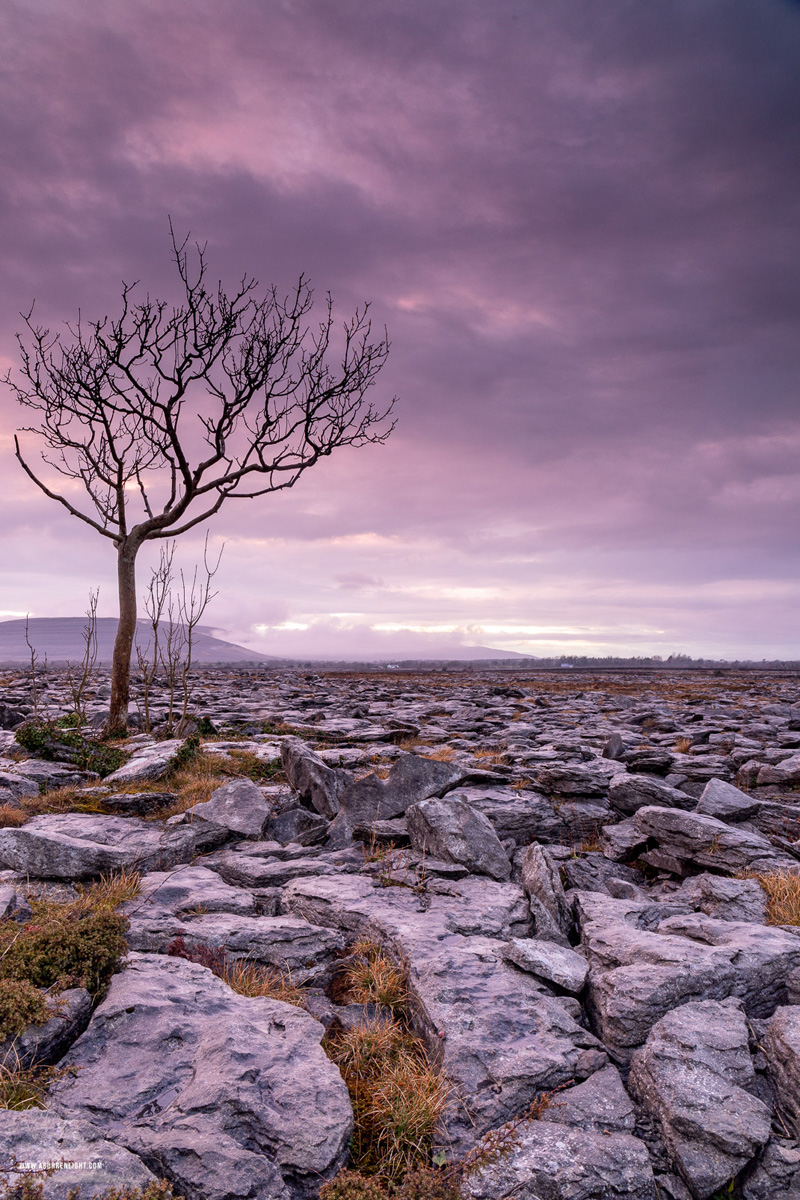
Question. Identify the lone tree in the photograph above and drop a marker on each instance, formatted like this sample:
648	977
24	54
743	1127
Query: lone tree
162	414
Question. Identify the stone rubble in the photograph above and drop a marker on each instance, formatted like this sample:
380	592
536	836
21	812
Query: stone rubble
567	870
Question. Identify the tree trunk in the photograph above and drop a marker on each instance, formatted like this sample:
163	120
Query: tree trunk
126	631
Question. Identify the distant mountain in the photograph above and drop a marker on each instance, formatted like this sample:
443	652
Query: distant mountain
61	638
433	653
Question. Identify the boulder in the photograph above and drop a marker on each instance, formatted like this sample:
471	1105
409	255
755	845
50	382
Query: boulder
725	899
627	793
82	846
555	964
775	1175
557	1162
255	871
238	806
93	1164
694	1074
194	1077
311	778
449	829
521	815
726	802
687	841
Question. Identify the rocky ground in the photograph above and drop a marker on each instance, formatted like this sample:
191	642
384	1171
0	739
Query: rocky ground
588	883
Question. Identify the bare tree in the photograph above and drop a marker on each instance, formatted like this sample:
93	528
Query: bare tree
148	657
163	413
80	676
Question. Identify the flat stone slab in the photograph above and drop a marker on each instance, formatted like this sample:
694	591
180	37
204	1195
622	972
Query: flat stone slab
189	889
83	846
91	1162
287	943
177	1067
558	1162
152	761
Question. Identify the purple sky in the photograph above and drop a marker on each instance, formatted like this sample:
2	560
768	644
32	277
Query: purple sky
580	221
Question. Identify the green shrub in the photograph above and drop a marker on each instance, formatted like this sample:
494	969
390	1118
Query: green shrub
21	1004
75	942
55	742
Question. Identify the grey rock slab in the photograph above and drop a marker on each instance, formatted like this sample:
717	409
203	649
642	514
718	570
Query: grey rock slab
725	899
251	871
13	786
152	761
172	1054
450	829
37	1135
556	1162
311	778
287	943
80	846
579	779
48	775
785	772
238	806
627	793
593	872
690	840
69	1015
186	888
600	1103
692	1075
645	960
523	815
782	1049
552	911
555	964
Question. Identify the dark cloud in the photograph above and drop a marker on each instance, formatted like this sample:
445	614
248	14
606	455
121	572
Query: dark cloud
579	221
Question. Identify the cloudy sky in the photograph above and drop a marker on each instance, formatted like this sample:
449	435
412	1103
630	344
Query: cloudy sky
580	222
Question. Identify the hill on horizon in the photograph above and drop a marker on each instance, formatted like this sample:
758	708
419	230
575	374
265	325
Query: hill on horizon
61	639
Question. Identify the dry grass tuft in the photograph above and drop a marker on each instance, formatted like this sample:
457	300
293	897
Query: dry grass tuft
496	757
110	891
374	979
683	745
783	896
195	781
252	979
11	816
397	1095
445	754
